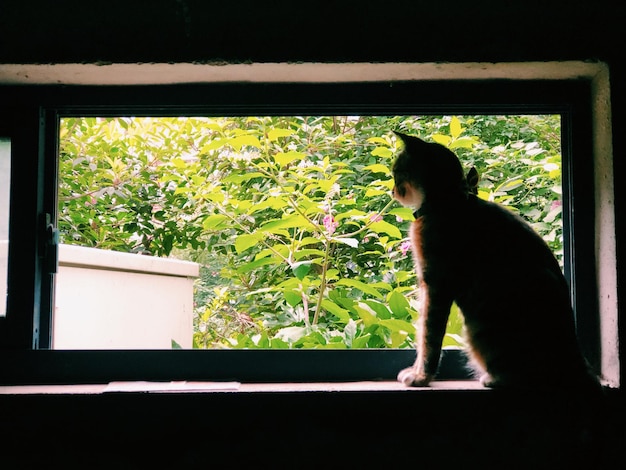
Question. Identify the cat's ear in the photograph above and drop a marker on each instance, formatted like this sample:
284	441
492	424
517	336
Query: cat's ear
472	180
408	138
401	136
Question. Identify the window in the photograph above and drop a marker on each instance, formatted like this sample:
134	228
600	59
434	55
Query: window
295	239
31	356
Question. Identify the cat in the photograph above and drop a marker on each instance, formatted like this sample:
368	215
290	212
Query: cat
504	278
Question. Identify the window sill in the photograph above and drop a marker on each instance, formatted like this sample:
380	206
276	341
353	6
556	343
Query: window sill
233	387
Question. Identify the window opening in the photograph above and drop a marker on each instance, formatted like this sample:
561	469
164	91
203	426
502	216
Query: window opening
266	231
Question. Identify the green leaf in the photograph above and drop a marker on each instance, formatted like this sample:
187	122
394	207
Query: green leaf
405	213
308	252
214	221
336	310
327	184
442	139
240	178
274	134
398	325
349	332
238	142
377	140
384	152
510	185
366	314
284	159
463	142
246	268
398	304
353	242
301	269
378	168
214	145
354	213
289	221
455	127
379	308
365	288
245	241
292	297
371	192
385	227
360	341
179	163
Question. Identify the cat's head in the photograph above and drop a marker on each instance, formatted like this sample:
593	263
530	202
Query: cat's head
426	172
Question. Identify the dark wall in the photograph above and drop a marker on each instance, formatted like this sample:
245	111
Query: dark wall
347	30
303	430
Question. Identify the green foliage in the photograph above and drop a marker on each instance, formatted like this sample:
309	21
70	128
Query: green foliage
290	218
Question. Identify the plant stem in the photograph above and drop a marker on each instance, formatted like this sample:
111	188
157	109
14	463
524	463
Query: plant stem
320	297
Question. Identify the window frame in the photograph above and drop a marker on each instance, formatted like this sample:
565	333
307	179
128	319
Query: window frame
31	118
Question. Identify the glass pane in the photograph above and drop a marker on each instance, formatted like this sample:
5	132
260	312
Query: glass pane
5	180
265	231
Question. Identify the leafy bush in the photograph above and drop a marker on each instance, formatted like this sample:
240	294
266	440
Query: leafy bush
290	218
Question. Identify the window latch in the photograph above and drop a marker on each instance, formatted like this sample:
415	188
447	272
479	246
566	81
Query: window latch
51	246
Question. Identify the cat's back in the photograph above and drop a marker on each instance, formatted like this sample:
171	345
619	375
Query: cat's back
497	235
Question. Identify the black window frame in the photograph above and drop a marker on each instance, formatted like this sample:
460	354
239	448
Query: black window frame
30	118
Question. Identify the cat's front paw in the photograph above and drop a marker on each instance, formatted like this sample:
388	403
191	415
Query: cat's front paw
486	380
411	378
489	381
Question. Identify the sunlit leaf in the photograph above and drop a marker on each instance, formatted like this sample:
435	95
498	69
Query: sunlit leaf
178	163
385	227
244	140
381	309
284	159
241	177
510	185
442	139
336	310
378	168
214	221
455	127
289	221
245	241
377	140
366	314
405	213
353	242
463	142
246	268
214	145
384	152
398	304
374	192
365	288
398	325
275	133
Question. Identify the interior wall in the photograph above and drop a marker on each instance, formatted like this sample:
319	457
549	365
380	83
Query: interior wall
249	31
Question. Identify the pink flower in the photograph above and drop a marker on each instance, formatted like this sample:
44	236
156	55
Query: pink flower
330	224
376	217
405	246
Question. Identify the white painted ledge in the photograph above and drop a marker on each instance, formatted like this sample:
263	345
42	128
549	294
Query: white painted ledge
158	73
